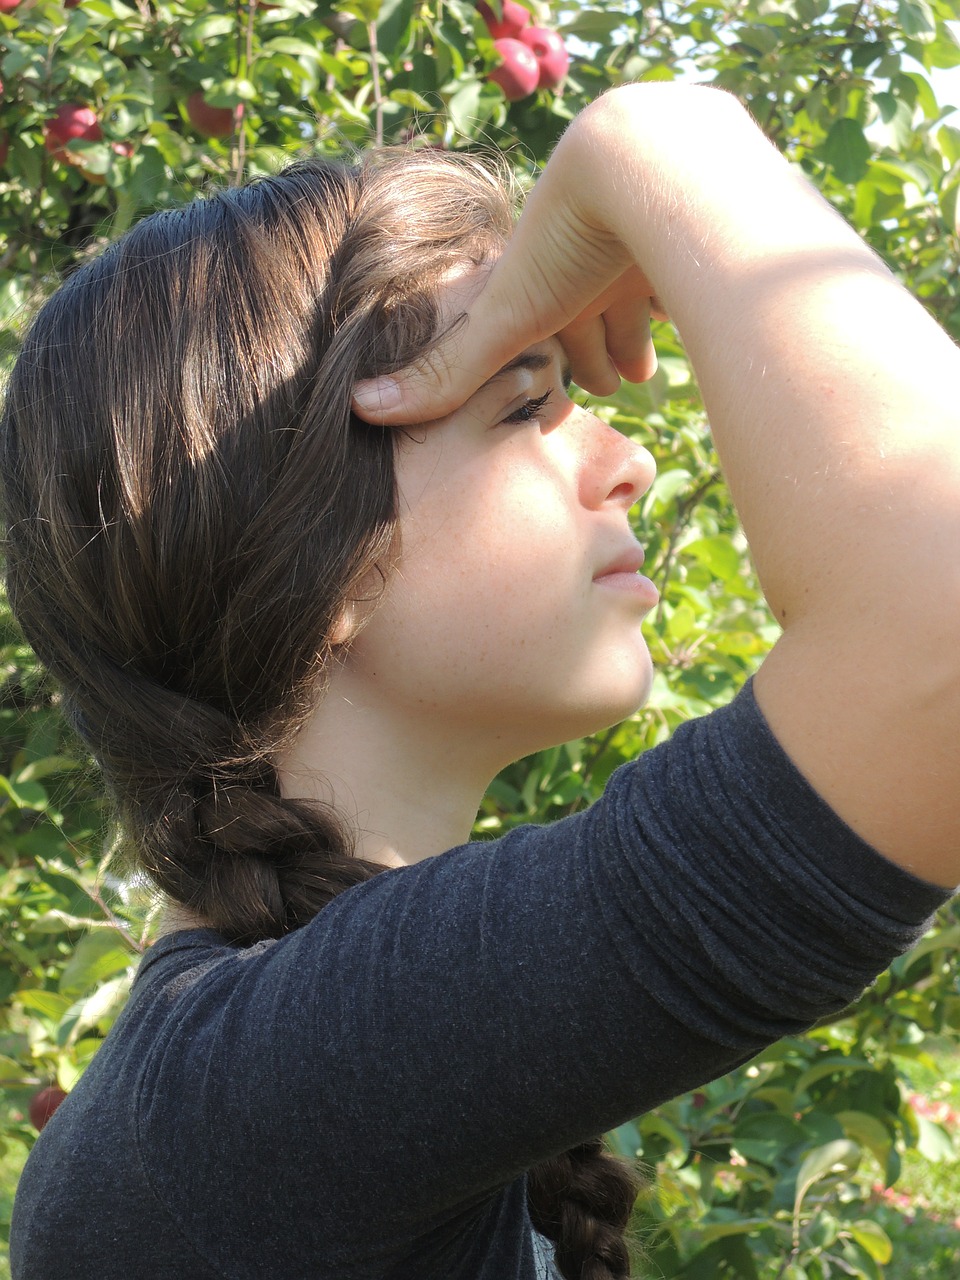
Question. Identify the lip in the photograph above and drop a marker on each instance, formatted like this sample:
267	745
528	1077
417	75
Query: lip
622	574
630	560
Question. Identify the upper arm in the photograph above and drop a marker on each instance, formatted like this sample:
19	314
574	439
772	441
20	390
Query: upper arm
877	734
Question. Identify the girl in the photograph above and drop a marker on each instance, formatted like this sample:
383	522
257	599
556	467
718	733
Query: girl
301	643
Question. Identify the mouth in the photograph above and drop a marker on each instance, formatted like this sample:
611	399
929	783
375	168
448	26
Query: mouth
623	575
628	561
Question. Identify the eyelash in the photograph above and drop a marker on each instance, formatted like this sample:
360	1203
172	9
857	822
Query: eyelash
528	411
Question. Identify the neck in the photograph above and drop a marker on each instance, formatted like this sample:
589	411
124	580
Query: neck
409	783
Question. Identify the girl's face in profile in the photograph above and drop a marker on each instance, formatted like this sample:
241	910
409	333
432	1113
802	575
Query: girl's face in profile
514	613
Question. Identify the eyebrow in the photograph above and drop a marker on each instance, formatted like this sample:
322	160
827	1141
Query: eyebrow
534	362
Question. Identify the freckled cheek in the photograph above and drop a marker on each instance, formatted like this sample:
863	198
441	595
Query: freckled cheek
506	555
491	539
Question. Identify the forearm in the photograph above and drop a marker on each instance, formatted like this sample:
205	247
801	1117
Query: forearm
833	397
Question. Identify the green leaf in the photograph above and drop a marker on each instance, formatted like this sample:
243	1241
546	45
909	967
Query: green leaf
659	72
57	921
841	1156
868	1131
923	93
25	795
717	554
626	1140
464	108
941	940
948	139
231	91
593	25
832	1064
847	151
655	1123
949	201
710	1231
289	45
11	1072
9	981
99	1009
886	104
393	20
210	27
410	98
667	485
916	18
872	1237
98	956
49	1004
944	52
363	10
934	1143
724	1258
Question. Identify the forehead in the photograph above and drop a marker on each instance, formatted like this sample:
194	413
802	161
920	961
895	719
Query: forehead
457	293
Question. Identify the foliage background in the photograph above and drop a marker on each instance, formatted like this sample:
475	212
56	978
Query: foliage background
771	1172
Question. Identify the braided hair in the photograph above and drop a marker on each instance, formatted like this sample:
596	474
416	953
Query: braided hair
191	506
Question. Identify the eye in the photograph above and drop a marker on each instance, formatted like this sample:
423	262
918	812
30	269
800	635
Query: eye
528	411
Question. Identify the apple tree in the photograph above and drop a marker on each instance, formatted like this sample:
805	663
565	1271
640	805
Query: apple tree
110	109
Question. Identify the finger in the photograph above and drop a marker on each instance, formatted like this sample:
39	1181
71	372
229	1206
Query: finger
417	394
492	321
585	344
628	340
441	381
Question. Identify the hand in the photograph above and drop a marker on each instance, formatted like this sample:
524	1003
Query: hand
559	274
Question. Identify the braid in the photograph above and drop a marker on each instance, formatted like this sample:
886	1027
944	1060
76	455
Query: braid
582	1200
214	831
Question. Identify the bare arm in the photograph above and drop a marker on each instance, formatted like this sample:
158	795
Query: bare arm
835	403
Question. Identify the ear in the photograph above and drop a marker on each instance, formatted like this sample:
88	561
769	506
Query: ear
347	624
362	601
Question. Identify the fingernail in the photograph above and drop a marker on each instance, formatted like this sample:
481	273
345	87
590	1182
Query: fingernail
377	395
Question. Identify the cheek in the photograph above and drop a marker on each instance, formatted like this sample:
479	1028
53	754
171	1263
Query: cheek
486	574
504	528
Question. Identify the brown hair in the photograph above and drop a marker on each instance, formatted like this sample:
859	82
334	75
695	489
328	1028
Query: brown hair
191	505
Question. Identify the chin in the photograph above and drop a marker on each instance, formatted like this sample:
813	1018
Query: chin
627	689
602	710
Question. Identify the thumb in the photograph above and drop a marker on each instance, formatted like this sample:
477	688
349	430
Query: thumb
436	385
487	330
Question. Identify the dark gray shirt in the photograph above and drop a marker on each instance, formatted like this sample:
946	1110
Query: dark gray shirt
361	1100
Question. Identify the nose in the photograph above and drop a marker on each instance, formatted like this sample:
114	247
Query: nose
614	470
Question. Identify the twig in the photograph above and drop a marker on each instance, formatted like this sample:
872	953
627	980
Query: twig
684	509
595	755
375	72
95	895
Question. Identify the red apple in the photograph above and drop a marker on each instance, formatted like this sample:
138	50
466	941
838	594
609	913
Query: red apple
515	18
7	6
550	52
519	72
44	1104
70	120
212	122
